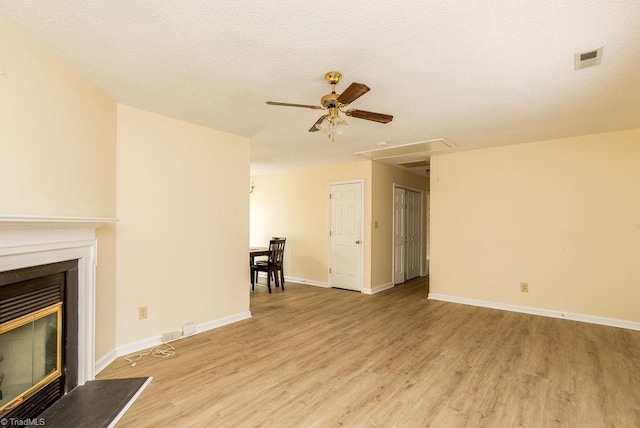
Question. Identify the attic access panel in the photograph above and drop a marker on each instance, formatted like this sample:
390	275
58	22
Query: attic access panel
408	152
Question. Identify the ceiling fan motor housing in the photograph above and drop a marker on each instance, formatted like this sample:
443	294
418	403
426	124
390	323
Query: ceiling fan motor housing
329	100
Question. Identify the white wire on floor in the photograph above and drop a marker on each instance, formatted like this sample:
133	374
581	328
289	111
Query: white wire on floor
157	352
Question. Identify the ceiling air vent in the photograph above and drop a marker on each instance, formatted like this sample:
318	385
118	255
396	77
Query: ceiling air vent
588	59
415	164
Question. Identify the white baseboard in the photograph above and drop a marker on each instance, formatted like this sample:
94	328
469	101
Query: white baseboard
107	359
303	281
220	322
591	319
298	280
368	291
307	282
150	342
377	289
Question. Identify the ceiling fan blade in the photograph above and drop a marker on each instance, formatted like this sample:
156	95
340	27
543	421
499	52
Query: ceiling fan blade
368	115
314	128
352	93
274	103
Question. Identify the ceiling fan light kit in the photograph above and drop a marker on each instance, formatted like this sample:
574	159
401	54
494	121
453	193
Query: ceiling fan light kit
331	124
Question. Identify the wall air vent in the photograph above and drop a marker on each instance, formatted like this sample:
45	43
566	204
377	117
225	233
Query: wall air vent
588	59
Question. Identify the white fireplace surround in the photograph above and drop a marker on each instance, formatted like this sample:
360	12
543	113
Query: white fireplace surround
27	241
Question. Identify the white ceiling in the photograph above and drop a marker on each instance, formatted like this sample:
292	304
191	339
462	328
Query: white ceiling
476	73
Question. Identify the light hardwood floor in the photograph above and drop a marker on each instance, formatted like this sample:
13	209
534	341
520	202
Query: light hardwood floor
325	357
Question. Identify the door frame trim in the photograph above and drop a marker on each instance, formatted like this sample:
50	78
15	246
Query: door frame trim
333	183
422	229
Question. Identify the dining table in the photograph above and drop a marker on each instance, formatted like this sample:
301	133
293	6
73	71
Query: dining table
257	252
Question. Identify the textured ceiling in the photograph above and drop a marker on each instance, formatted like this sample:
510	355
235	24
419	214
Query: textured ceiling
477	73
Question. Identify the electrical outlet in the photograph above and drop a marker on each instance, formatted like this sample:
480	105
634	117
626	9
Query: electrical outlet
142	313
524	287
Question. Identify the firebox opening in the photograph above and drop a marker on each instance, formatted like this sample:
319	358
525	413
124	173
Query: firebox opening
38	337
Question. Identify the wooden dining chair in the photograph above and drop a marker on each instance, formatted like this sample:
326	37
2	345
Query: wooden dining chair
282	264
273	266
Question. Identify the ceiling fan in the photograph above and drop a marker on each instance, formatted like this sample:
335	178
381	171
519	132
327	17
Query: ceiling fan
331	123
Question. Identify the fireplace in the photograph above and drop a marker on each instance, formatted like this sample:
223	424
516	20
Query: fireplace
38	253
38	337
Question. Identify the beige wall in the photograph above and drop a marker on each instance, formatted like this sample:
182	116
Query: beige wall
562	215
384	178
183	206
57	152
57	135
295	204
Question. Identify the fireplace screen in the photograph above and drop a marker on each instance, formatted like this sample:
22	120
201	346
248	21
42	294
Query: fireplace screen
30	355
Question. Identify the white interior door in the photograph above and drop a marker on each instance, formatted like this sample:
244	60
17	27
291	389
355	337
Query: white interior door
399	230
413	233
345	236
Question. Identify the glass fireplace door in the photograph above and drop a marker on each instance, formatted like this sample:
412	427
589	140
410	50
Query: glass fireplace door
30	355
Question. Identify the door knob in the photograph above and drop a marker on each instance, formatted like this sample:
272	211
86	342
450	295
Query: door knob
358	241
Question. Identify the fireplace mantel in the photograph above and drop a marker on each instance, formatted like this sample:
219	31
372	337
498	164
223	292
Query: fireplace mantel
32	221
27	240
